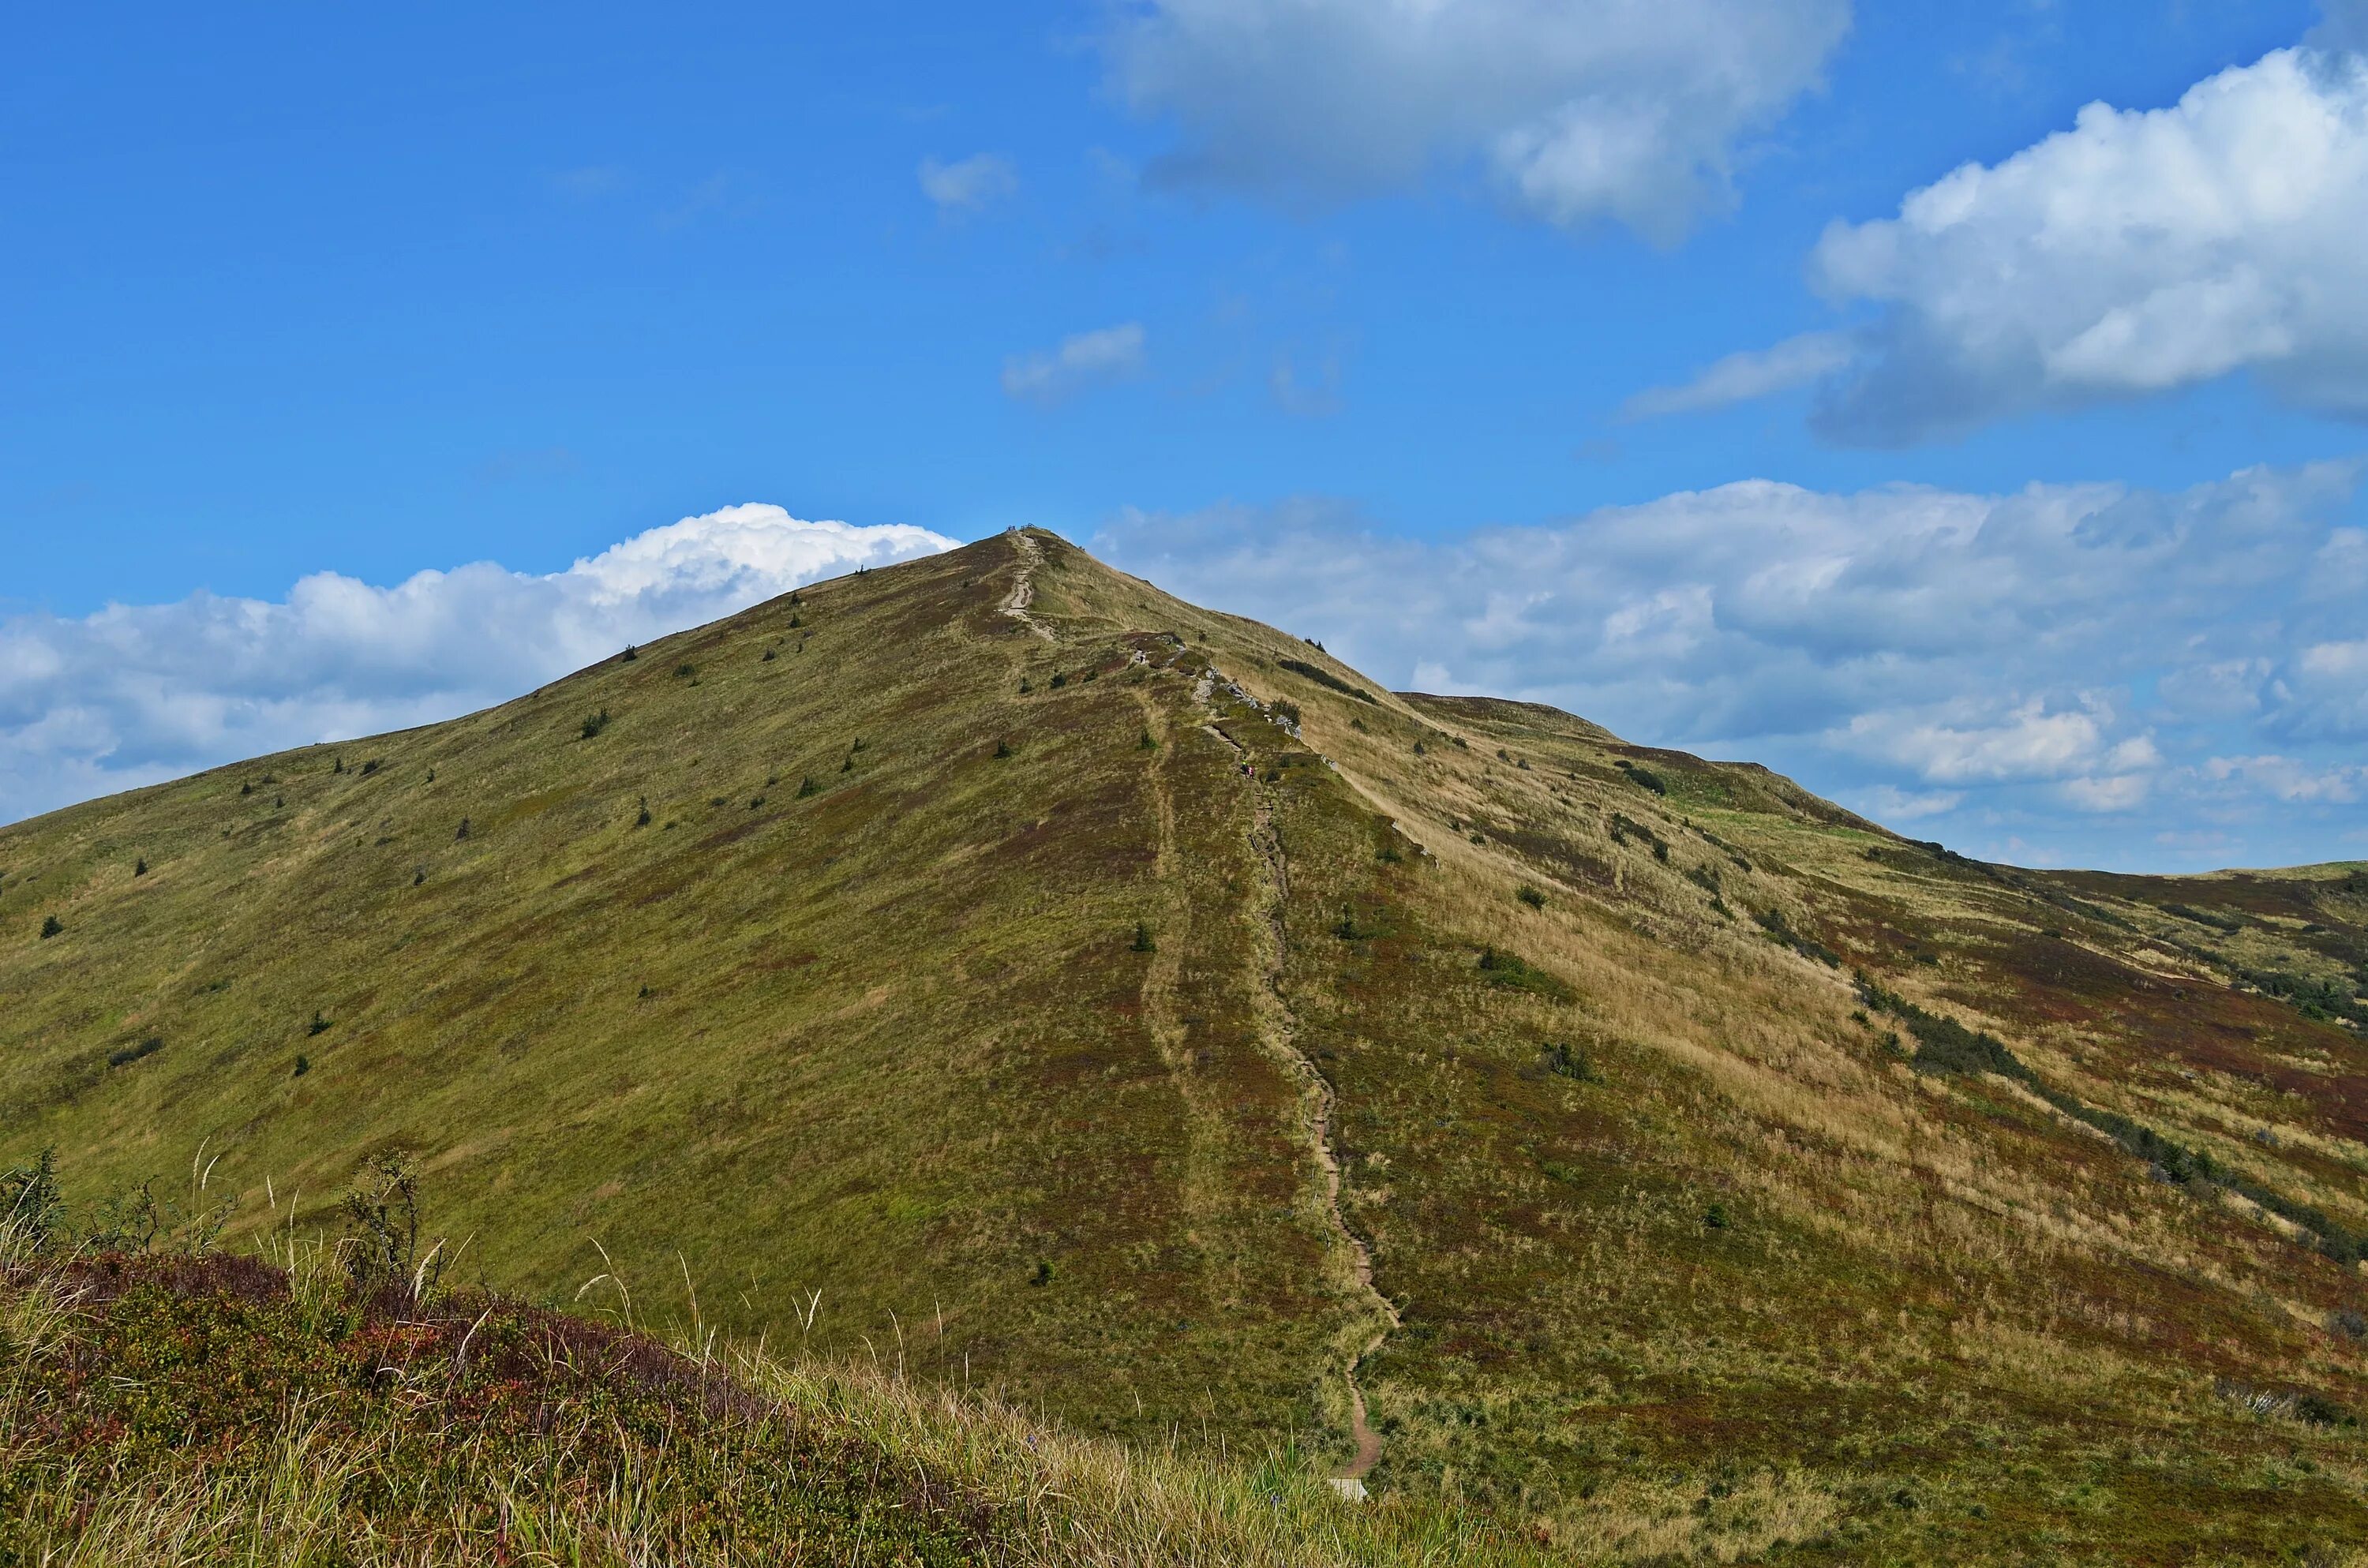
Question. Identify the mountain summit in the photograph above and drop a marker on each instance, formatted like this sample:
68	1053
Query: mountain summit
1066	990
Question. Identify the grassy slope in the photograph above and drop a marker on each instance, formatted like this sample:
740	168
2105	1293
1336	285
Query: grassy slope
213	1409
1747	1277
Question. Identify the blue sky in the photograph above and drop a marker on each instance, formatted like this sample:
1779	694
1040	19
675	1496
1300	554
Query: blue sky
2024	516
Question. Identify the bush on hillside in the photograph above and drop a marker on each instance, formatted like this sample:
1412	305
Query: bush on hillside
52	927
1325	678
1569	1061
1642	777
379	1251
1501	968
1780	931
32	1207
124	1056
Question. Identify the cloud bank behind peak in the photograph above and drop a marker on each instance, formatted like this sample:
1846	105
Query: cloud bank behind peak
134	694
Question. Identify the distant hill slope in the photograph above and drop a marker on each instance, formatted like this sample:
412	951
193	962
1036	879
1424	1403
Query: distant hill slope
1131	1006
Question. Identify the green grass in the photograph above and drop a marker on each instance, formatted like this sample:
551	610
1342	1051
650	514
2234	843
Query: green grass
1022	1045
215	1408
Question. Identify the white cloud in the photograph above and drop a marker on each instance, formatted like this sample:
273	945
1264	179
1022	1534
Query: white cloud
1740	377
1087	359
2289	779
137	693
2136	252
1629	110
2027	743
2067	656
970	185
2119	794
1890	804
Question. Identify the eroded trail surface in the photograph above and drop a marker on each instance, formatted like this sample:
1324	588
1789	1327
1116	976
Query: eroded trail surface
1278	1028
1023	588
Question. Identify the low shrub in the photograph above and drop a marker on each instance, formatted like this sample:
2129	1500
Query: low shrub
1531	896
1642	777
1501	968
124	1056
1780	931
52	927
596	723
1325	678
1569	1061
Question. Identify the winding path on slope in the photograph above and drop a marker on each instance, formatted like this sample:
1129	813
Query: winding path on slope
1279	1027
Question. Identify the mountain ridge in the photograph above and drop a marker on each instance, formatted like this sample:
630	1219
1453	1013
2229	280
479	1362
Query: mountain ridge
995	942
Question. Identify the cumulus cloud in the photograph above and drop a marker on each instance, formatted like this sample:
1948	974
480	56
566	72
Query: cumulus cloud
2136	253
1629	110
1087	359
2065	660
137	693
971	185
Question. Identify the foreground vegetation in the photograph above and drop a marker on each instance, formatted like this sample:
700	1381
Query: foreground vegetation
1133	1014
197	1407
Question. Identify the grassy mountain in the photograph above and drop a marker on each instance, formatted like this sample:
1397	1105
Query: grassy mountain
995	962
